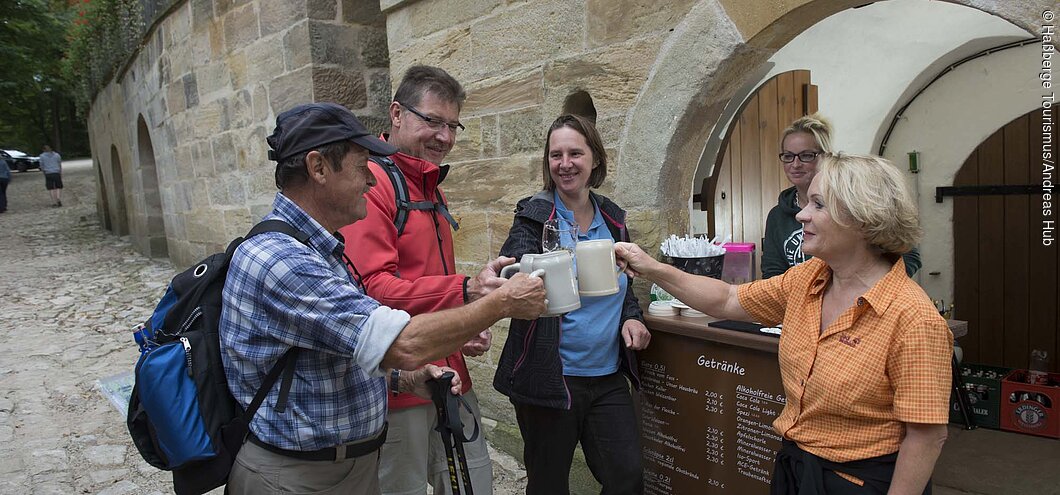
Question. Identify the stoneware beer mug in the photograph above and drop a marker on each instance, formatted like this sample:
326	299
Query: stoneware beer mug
597	271
561	289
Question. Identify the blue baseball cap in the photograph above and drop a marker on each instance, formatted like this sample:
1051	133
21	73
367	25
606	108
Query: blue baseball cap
312	125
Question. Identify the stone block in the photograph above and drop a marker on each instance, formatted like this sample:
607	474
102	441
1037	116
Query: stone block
505	93
296	52
202	158
419	19
253	150
500	222
212	78
379	92
291	89
326	10
261	103
223	6
471	242
264	59
240	26
199	225
508	40
611	21
362	12
450	50
277	15
224	153
237	69
612	76
493	183
217	38
201	14
191	92
521	131
490	136
240	110
260	186
209	119
374	49
237	221
178	26
468	143
333	44
175	98
345	87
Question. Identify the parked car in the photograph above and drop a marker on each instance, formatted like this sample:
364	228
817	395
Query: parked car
20	161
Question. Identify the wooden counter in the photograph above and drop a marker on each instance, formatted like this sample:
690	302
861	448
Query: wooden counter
707	404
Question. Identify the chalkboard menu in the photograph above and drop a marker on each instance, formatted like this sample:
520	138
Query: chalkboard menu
707	412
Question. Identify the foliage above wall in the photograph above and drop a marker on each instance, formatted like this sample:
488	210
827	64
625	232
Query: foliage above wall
36	107
102	36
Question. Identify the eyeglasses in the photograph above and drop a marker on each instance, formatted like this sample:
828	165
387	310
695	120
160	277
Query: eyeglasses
804	156
433	123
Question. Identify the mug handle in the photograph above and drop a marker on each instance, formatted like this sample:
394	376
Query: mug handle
507	272
539	273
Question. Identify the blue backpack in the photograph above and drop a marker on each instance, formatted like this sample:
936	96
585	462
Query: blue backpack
182	417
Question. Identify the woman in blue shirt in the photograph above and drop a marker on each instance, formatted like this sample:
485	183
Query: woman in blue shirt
567	375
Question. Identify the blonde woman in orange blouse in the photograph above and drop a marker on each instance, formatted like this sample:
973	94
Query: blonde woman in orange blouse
864	355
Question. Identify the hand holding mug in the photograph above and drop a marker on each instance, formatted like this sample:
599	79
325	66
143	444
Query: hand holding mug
524	296
633	259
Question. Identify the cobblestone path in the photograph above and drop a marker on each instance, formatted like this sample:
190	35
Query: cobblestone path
69	294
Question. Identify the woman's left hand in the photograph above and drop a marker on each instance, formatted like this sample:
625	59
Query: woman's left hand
635	334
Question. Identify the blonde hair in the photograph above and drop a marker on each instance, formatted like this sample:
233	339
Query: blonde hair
870	194
815	125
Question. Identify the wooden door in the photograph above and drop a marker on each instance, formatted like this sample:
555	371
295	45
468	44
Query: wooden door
747	175
1005	280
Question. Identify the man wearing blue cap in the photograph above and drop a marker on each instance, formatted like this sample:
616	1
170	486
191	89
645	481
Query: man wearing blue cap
282	294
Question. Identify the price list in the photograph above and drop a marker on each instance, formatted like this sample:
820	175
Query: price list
706	416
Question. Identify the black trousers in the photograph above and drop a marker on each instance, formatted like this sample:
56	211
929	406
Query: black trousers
3	194
601	418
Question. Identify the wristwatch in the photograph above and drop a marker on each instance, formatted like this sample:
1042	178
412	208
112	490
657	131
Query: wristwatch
395	374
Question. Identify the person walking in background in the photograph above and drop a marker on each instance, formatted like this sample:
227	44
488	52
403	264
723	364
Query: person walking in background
5	178
51	164
865	357
573	389
415	270
801	146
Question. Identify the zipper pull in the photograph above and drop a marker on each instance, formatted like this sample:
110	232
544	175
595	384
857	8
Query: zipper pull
187	354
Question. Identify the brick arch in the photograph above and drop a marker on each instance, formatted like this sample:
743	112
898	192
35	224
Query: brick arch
703	64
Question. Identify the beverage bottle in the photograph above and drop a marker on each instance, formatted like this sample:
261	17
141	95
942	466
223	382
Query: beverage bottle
1038	371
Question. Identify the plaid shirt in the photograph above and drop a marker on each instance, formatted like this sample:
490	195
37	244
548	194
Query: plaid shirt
883	362
280	294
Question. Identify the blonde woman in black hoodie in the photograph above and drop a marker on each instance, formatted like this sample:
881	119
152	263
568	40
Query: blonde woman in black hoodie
801	145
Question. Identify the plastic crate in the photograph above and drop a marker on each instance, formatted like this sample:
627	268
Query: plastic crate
982	387
1031	409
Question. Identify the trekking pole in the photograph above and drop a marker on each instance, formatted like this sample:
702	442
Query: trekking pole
452	430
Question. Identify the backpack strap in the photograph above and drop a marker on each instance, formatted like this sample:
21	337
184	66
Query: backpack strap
286	362
401	196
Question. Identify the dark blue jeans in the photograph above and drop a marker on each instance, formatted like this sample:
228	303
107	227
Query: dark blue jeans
601	418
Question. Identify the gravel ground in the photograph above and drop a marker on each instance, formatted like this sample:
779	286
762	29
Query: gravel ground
69	294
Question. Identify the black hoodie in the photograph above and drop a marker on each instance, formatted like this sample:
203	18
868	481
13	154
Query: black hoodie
782	246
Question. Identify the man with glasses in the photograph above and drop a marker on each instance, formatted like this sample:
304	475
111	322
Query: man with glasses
404	252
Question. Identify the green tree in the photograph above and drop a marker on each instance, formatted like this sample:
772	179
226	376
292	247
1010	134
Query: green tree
36	104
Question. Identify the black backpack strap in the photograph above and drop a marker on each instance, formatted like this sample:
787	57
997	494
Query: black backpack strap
401	196
286	365
287	361
401	190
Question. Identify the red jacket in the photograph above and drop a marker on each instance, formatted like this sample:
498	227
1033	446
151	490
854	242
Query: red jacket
416	272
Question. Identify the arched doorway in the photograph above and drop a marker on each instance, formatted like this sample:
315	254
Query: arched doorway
1005	278
154	242
746	177
121	216
104	214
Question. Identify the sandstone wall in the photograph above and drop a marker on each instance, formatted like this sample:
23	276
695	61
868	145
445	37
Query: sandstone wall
209	80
